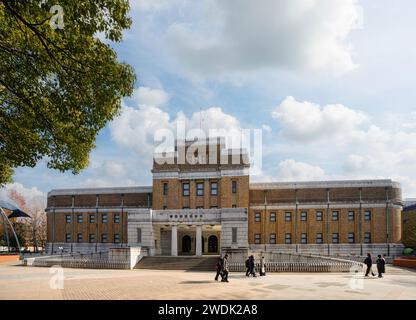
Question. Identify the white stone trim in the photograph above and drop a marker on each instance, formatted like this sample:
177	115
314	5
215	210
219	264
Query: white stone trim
94	191
166	175
234	172
325	184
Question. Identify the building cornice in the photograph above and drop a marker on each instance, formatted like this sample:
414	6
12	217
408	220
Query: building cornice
324	184
94	191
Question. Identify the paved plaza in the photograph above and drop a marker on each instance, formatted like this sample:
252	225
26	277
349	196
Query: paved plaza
19	282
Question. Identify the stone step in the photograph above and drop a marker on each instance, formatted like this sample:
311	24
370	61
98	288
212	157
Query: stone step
178	263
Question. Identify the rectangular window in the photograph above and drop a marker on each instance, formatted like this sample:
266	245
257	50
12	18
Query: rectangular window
104	237
79	218
68	237
319	215
335	215
116	218
200	207
303	238
367	215
213	207
257	217
185	208
288	238
319	238
165	207
92	218
272	238
104	218
288	216
139	235
200	189
234	235
234	187
351	215
214	188
234	206
257	238
303	216
116	238
79	237
351	238
91	237
272	216
68	218
367	237
185	189
335	238
165	189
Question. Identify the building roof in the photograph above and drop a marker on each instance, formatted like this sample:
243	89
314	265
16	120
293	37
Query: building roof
109	190
325	184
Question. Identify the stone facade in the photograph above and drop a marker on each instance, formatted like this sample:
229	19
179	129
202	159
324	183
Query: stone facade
211	207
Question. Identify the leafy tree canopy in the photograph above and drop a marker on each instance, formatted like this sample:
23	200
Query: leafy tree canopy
58	86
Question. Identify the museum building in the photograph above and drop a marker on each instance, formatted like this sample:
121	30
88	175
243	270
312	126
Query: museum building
205	204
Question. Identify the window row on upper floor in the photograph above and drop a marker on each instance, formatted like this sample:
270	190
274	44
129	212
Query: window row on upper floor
92	218
335	216
200	188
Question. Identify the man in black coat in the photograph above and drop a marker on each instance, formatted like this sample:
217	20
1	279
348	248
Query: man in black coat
219	267
369	262
381	263
251	266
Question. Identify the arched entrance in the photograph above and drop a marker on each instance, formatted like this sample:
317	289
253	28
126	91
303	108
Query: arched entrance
186	244
212	244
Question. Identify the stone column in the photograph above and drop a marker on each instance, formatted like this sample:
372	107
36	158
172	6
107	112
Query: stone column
174	241
198	248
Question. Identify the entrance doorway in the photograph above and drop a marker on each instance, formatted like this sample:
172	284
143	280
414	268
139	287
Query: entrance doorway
186	244
212	244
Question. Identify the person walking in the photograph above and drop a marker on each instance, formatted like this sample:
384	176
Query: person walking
219	267
248	267
262	267
369	262
225	269
381	266
251	266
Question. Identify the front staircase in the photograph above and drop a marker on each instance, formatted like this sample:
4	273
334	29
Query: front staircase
191	263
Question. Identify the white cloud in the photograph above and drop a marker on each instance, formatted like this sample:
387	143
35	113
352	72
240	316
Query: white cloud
347	140
135	128
146	96
306	121
242	36
291	170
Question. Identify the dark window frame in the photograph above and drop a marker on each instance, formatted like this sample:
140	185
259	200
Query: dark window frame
272	238
186	191
214	191
303	238
234	186
200	192
304	216
257	238
257	216
319	215
274	215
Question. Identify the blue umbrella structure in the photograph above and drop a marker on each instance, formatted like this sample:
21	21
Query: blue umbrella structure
16	212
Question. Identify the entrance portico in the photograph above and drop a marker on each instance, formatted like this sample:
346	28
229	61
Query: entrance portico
192	239
189	232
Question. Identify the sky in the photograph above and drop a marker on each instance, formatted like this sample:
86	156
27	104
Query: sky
330	83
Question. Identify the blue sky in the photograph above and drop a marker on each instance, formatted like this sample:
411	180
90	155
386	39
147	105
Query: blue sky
331	83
